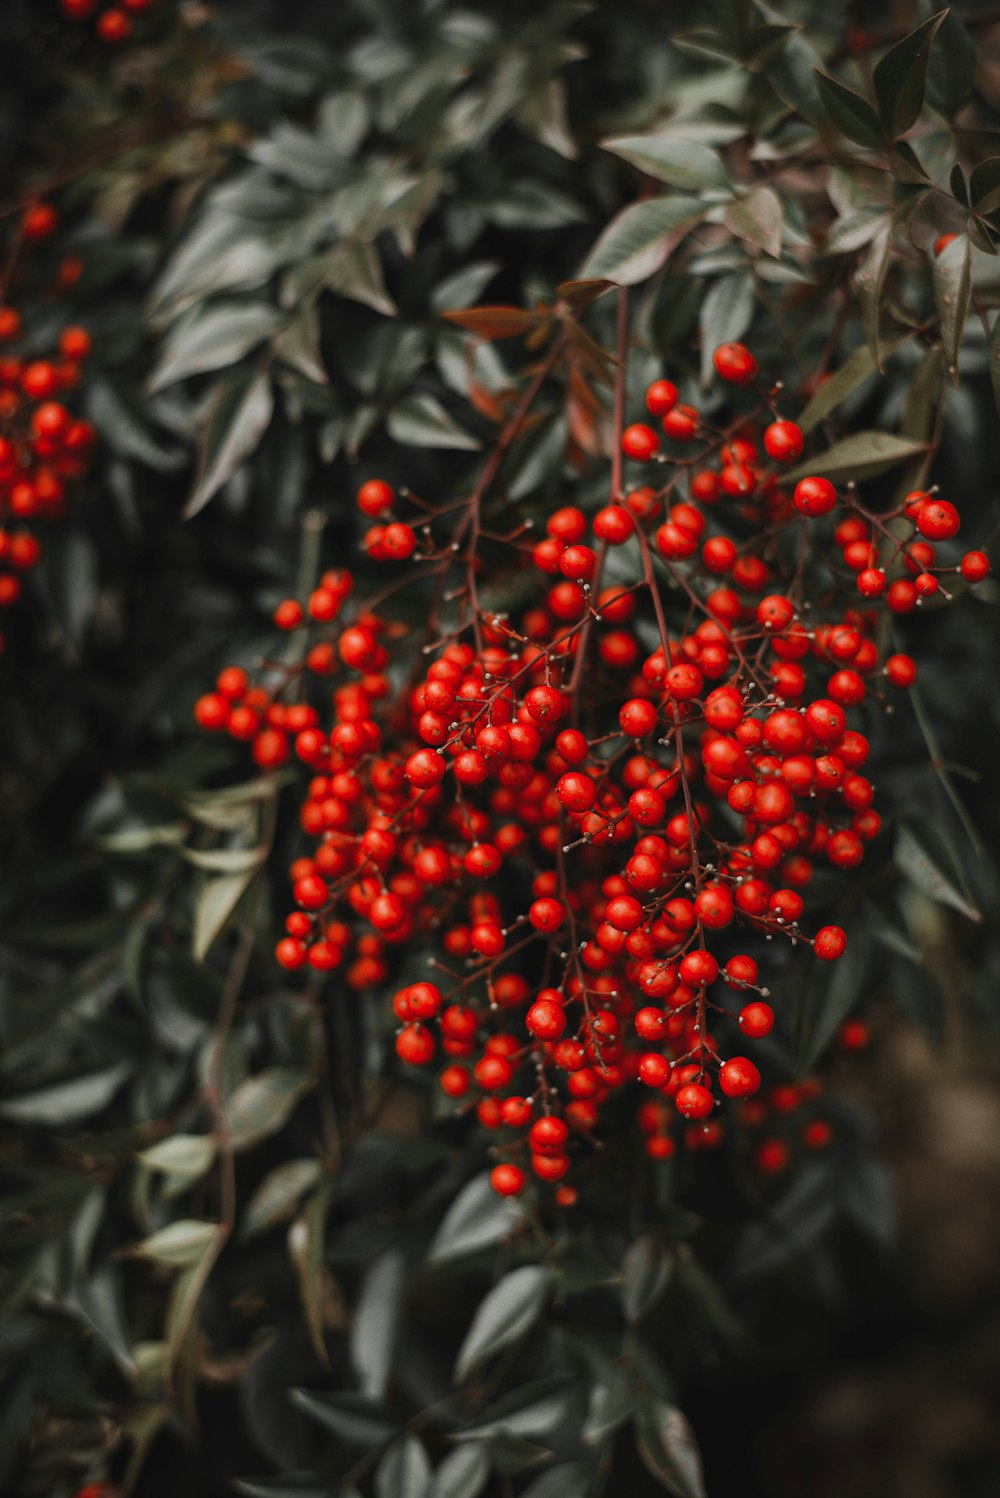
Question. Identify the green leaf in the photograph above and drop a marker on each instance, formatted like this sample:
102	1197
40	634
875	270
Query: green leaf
404	1471
188	1155
567	1480
464	287
354	270
306	1245
507	1313
670	158
916	862
956	181
543	114
216	902
859	456
852	114
277	1196
647	1268
951	76
984	185
725	315
263	1104
907	166
529	1412
123	422
638	241
421	421
225	860
349	1416
667	1446
994	346
901	75
213	338
141	839
858	368
476	1219
870	285
952	271
827	1004
180	1243
376	1319
758	218
67	1102
240	414
462	1474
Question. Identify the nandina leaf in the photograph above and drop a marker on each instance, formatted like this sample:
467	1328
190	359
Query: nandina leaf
670	158
404	1471
952	270
900	77
647	1267
240	415
263	1104
667	1446
508	1312
852	114
861	455
462	1474
758	218
277	1196
639	240
179	1243
984	185
494	322
476	1219
376	1322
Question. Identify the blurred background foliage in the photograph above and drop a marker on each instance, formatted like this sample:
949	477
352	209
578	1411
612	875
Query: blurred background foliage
273	205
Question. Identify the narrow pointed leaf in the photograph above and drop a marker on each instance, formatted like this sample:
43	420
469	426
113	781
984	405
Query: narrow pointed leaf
667	156
509	1310
852	114
900	78
637	242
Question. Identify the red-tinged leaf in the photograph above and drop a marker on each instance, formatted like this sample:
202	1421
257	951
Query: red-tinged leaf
494	322
489	404
581	294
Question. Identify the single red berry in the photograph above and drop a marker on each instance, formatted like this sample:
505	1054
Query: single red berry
830	943
114	26
975	566
735	363
784	442
756	1019
661	397
694	1101
814	497
739	1077
507	1180
639	442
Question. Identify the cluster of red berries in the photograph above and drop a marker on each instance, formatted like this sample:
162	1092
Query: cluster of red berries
114	24
592	808
43	447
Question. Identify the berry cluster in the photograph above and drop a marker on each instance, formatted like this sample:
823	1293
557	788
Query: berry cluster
114	24
597	806
43	447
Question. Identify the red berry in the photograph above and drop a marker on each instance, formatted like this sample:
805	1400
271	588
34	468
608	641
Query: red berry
735	363
814	496
639	442
784	442
694	1101
739	1077
507	1180
830	943
661	397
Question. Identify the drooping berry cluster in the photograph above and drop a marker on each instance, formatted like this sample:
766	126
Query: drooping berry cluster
594	805
44	448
